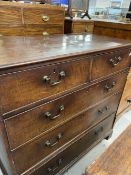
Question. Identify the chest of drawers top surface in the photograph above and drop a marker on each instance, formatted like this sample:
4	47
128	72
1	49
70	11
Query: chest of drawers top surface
20	50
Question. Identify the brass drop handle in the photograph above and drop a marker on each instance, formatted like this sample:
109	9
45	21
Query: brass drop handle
50	143
110	87
53	117
48	80
45	18
115	61
45	33
103	110
54	168
99	130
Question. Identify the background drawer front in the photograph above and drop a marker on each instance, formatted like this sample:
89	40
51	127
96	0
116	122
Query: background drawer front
7	30
10	15
81	28
43	16
44	29
36	84
111	62
74	104
71	153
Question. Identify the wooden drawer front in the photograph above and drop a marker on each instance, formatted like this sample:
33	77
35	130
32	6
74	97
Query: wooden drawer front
39	83
111	62
72	152
7	30
10	15
78	102
44	29
43	16
81	28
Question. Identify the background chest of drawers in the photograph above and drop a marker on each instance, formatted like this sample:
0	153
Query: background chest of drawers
30	19
57	105
78	26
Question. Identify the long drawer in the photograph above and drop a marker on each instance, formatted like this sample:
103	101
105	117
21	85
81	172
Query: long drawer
110	63
47	116
25	87
70	154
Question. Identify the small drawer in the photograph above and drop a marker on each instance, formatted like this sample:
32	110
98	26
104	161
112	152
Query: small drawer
71	153
54	113
7	30
41	83
82	28
10	15
44	30
111	63
43	16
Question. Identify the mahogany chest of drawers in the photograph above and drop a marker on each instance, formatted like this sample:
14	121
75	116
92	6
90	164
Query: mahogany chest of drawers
58	98
30	19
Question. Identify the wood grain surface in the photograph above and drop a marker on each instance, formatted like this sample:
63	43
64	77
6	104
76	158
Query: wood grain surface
116	160
113	29
30	19
18	51
41	74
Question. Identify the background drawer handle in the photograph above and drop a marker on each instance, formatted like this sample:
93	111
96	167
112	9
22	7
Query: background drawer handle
109	87
51	116
49	143
103	110
54	168
115	61
45	18
48	80
99	130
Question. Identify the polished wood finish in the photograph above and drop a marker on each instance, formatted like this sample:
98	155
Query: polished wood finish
10	15
117	155
55	98
78	26
35	151
118	30
72	47
74	104
30	84
30	19
75	151
35	16
113	29
112	62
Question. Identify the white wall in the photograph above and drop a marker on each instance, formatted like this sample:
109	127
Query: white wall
103	3
106	3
